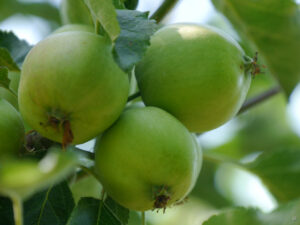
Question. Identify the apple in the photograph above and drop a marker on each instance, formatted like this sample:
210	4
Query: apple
74	27
196	73
11	130
71	89
147	159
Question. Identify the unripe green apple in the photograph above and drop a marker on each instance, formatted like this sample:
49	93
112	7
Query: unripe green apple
195	73
74	27
75	12
11	130
147	159
71	87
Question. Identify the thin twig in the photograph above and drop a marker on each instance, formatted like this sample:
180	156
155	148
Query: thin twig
134	96
18	210
163	10
260	98
143	218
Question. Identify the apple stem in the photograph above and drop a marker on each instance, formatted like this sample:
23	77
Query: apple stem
134	96
18	210
260	98
143	218
163	10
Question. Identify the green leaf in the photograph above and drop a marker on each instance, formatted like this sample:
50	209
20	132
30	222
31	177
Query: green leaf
104	11
75	12
280	172
274	27
118	4
90	211
24	177
131	45
6	211
287	214
4	80
41	9
7	61
17	49
52	206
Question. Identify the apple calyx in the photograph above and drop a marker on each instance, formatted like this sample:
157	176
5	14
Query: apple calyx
64	124
161	199
252	66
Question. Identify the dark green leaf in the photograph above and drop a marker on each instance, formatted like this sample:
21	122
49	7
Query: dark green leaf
131	45
4	80
104	11
53	206
24	177
6	211
119	212
90	211
17	48
118	4
280	171
274	27
7	61
287	214
131	4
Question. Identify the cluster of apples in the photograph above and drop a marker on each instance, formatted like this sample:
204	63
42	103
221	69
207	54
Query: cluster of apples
192	79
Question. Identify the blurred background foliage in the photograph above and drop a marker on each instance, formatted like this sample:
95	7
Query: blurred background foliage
268	127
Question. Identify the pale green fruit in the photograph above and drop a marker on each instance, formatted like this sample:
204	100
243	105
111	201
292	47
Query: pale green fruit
70	82
147	159
195	73
75	12
74	27
11	130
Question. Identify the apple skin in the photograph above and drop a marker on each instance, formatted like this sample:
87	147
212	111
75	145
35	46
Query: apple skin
11	130
74	27
72	77
195	73
145	150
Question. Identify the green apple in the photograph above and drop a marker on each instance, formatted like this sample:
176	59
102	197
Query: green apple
147	159
71	86
75	11
196	73
11	130
74	27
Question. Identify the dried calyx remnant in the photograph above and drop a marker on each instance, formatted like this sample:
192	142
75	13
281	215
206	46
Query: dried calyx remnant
251	64
162	197
64	125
